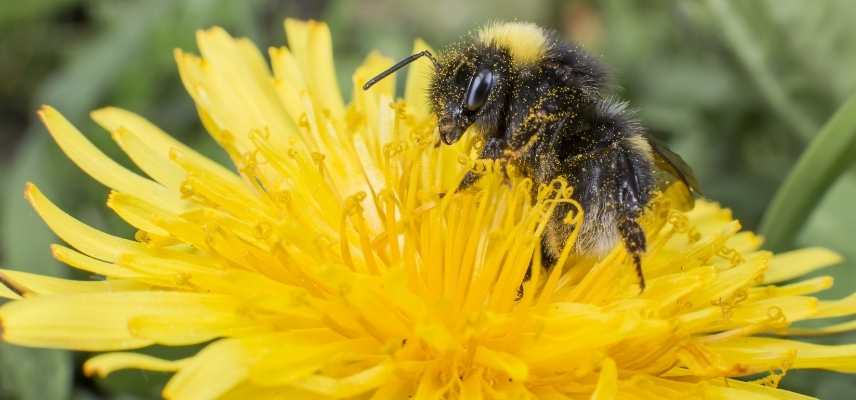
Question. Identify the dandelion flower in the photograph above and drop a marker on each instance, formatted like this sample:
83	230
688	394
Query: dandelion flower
329	265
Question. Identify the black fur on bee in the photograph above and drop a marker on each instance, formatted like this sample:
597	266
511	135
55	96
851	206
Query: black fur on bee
538	103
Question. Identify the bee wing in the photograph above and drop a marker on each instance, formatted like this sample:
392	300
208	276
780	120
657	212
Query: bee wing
670	162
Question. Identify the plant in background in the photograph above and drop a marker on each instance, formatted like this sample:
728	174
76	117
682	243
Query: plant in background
329	266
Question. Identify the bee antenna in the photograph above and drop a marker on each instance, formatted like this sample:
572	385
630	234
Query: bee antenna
399	65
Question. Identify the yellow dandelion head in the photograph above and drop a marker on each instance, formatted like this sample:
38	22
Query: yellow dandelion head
337	260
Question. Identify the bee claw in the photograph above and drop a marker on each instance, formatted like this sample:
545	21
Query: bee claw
637	262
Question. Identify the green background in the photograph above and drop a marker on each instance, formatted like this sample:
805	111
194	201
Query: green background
740	88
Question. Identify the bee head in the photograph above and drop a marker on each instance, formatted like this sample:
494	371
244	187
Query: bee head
469	87
473	80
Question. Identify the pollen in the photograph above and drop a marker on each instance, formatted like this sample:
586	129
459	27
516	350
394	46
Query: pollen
526	42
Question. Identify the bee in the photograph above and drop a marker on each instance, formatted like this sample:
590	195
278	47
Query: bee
540	104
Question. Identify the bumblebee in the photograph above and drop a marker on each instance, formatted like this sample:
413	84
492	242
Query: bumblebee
539	104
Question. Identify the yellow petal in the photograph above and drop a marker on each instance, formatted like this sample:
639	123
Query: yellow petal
824	330
841	358
138	212
654	387
218	368
783	310
81	236
6	293
85	263
113	119
471	387
166	263
837	308
733	279
735	389
297	33
808	286
310	41
105	364
432	384
745	242
349	386
507	363
212	95
97	165
34	284
180	329
213	317
550	393
418	80
288	81
300	354
235	197
607	383
10	290
154	163
68	321
797	263
246	391
233	84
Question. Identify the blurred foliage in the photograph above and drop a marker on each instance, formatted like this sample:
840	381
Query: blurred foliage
739	88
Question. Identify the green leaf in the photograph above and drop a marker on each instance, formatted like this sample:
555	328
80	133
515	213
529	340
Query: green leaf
752	56
826	158
831	226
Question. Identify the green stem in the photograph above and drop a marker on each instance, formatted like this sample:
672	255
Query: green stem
826	158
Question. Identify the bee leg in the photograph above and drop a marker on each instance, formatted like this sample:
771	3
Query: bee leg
631	198
526	278
547	261
469	179
634	241
491	150
548	258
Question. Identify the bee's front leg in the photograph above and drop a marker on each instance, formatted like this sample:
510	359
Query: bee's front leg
492	150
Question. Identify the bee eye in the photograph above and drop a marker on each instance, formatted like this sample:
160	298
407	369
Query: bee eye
479	89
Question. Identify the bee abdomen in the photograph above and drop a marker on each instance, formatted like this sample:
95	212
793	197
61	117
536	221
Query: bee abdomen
613	188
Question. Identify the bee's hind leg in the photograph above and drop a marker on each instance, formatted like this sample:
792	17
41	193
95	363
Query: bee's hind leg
634	240
548	261
632	193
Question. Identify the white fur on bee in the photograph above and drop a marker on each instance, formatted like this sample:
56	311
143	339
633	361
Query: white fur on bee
598	233
641	145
